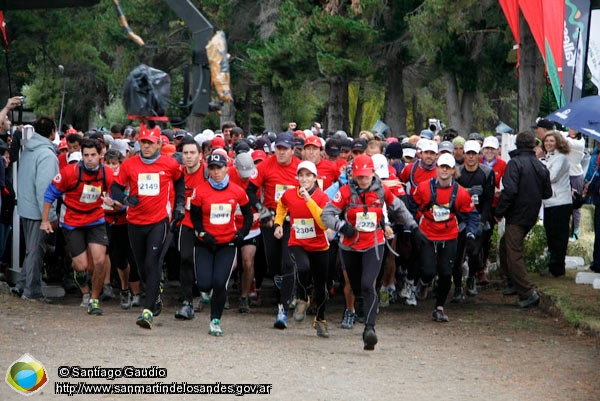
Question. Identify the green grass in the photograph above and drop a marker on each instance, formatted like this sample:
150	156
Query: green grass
578	304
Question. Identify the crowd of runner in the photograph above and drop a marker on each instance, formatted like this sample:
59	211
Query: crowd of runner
393	219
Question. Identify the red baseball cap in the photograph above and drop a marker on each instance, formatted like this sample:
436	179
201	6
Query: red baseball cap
217	142
258	155
149	134
363	166
313	141
299	133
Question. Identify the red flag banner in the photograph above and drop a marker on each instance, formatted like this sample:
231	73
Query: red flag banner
3	28
534	15
511	12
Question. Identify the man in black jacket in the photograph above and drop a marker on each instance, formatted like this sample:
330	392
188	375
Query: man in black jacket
526	182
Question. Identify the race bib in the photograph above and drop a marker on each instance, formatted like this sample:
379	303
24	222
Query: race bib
280	189
440	213
366	222
220	213
304	228
148	184
90	194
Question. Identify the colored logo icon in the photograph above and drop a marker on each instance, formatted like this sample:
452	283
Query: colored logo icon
26	375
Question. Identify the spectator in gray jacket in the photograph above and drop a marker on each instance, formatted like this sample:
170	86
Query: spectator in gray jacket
37	166
557	208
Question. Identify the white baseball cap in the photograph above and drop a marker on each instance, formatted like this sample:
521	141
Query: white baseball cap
472	146
381	166
310	166
428	145
446	159
491	142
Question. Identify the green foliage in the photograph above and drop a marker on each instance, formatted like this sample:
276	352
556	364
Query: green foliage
535	254
113	113
373	104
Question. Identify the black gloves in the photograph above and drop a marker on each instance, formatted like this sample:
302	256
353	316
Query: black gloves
239	239
207	240
265	216
178	214
347	230
131	200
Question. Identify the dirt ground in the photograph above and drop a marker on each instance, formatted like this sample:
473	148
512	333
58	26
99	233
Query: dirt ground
489	350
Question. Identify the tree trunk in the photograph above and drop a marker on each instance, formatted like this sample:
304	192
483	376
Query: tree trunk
271	109
356	126
194	123
460	111
227	113
531	78
395	113
337	109
417	117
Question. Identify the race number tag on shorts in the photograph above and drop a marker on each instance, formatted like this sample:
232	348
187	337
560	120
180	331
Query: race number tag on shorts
220	213
304	228
366	222
475	199
440	213
280	189
90	194
148	184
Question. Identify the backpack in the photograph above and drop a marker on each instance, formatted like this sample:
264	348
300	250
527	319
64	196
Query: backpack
79	180
433	198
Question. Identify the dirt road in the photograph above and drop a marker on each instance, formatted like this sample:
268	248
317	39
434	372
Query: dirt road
489	350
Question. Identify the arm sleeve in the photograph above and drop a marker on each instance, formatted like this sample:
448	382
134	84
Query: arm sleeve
331	217
117	192
248	218
52	193
316	211
180	191
281	212
196	216
251	192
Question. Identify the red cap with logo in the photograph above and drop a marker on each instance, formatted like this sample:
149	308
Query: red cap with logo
363	166
217	142
149	134
313	141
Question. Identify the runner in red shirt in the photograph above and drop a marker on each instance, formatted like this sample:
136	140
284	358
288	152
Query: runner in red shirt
194	176
274	176
361	204
82	219
439	201
308	242
212	211
151	179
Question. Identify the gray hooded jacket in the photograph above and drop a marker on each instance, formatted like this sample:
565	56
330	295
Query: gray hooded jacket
37	167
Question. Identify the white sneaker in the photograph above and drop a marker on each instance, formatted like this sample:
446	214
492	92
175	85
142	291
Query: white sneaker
85	300
135	300
407	289
411	300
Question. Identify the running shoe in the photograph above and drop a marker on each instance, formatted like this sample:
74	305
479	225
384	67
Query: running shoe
281	319
125	299
348	320
107	292
16	292
471	287
293	303
205	297
94	308
369	338
41	299
244	306
393	296
384	298
158	305
300	310
186	312
458	296
81	278
407	289
226	306
439	315
85	300
135	300
321	327
145	319
215	328
411	300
